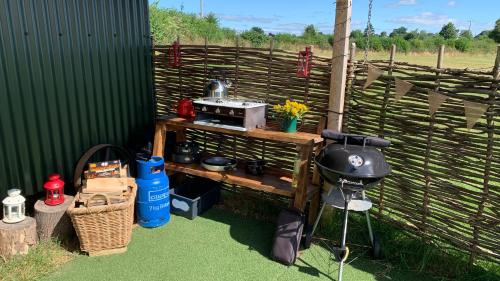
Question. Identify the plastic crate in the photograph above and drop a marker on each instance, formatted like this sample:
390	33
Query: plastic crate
193	197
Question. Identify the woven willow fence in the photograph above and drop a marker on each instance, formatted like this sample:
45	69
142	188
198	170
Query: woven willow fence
263	74
445	183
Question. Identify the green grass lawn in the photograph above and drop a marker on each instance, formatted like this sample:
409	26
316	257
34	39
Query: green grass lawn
219	246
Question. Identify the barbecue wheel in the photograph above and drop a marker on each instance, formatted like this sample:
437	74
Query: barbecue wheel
308	237
376	247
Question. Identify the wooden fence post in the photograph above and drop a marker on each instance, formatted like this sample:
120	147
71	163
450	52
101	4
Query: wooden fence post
343	9
237	74
179	70
381	124
490	126
432	121
308	78
205	63
269	66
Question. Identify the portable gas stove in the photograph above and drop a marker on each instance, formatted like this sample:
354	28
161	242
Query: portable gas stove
230	113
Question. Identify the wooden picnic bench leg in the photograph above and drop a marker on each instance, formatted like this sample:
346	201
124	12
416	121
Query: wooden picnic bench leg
301	175
159	141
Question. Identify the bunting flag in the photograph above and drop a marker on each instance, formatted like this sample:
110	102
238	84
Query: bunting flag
402	87
435	101
474	111
373	74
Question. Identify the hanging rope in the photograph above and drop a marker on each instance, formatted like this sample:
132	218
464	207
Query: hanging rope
368	29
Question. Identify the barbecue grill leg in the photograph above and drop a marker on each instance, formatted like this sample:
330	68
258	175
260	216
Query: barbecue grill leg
368	221
344	236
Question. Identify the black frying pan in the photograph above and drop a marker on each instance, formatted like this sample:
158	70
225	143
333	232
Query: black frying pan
218	163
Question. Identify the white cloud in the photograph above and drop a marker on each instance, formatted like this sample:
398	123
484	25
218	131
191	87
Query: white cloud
426	18
452	3
402	3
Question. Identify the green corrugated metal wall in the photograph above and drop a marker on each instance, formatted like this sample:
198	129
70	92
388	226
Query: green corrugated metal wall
73	73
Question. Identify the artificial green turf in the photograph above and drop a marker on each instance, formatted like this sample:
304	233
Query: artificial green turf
217	246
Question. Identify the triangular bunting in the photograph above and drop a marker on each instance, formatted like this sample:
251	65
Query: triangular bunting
373	74
402	87
474	111
435	101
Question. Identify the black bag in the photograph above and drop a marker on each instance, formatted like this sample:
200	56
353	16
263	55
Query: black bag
287	237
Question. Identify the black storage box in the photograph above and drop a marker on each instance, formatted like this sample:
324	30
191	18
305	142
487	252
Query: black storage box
194	196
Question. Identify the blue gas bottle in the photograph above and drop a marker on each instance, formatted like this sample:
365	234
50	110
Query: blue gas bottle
153	201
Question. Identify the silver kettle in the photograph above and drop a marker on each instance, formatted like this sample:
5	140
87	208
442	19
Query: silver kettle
217	88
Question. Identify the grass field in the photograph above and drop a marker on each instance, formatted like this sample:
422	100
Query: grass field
452	59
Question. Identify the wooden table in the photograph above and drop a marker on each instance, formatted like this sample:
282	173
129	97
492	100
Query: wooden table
296	185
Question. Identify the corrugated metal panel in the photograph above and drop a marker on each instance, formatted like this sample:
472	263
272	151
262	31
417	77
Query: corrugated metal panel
72	74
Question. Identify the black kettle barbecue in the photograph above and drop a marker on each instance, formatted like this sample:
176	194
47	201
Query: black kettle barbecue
351	164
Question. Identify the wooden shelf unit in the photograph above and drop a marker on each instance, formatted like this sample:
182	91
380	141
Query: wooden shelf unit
296	185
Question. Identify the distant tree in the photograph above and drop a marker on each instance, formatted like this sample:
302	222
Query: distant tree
255	35
463	44
449	31
356	34
400	31
466	34
411	35
372	30
257	29
483	34
383	34
310	31
495	33
212	19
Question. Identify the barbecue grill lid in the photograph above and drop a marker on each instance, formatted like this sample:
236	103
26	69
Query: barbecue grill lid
354	161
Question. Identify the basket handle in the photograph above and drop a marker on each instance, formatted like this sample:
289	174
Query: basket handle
106	199
84	159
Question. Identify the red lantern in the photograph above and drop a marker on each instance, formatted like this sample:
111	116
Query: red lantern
54	190
304	63
174	55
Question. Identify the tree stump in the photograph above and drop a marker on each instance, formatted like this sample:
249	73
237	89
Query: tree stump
16	238
52	221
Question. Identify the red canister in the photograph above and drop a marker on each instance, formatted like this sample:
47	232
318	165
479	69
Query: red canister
185	108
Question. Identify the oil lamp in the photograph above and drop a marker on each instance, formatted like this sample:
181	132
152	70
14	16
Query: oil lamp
304	63
13	206
54	187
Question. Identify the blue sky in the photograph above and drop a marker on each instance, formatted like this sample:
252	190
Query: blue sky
292	15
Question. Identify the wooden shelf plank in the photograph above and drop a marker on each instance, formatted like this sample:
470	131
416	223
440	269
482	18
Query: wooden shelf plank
280	184
273	181
266	134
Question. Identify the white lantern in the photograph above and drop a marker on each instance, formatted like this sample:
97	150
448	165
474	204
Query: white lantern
13	207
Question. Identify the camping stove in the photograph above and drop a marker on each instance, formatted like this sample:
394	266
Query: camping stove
230	113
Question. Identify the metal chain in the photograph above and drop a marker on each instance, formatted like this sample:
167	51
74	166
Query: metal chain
368	28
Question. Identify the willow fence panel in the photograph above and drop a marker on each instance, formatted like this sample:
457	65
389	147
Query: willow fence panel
445	184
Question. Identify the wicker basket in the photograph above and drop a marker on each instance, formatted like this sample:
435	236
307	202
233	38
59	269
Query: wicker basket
105	227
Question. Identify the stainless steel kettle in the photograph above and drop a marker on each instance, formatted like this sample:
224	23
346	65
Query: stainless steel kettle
217	88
